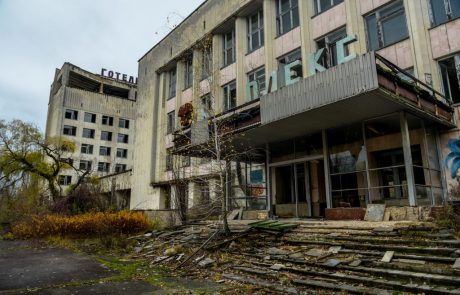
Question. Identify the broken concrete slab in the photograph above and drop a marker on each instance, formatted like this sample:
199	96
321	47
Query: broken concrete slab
409	261
456	264
206	262
412	213
335	249
276	251
388	256
356	262
296	256
277	266
331	263
315	252
233	214
397	213
375	212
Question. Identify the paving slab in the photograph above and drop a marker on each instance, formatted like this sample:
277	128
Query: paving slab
375	212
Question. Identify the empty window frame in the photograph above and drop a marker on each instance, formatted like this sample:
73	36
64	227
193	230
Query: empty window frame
450	74
87	149
229	95
107	120
171	122
106	135
169	162
71	114
69	130
103	167
257	76
86	165
206	63
329	58
444	10
122	153
188	74
229	48
287	16
90	117
65	180
322	5
123	123
386	26
172	83
88	133
286	60
122	138
255	31
104	151
205	107
120	168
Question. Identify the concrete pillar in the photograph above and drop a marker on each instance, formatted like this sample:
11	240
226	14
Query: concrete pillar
268	179
161	117
355	26
241	50
217	56
327	179
408	159
306	10
269	8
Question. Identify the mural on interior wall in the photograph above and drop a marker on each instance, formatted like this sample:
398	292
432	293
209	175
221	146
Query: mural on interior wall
454	156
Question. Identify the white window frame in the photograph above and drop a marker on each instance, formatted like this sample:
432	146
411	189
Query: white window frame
256	33
229	48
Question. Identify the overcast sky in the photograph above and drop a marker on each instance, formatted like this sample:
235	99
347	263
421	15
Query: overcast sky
38	36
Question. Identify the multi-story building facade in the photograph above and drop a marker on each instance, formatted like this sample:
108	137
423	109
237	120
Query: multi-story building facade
352	101
97	113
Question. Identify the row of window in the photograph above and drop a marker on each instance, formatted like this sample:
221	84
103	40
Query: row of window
91	118
90	133
87	166
103	150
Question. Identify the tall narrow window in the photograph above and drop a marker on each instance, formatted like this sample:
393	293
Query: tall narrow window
444	10
229	48
188	75
229	96
287	16
386	26
256	81
322	5
170	122
255	31
450	78
205	107
328	42
172	83
206	69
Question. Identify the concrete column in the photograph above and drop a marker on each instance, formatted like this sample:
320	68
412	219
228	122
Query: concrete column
241	49
355	26
180	80
161	118
441	165
217	56
327	179
192	195
268	182
269	8
408	159
306	10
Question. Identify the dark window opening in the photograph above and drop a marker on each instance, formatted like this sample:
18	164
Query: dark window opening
65	180
70	130
106	135
171	122
122	138
81	82
255	31
229	96
116	91
229	48
258	77
444	10
90	118
107	120
287	16
450	78
71	114
329	42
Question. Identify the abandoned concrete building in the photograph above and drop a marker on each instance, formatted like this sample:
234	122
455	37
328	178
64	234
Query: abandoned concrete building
345	102
97	113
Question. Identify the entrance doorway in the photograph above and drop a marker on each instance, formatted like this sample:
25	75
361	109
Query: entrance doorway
299	189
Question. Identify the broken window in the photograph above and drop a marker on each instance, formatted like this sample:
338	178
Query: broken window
122	153
188	74
88	133
255	31
87	149
103	167
106	135
386	26
287	16
122	138
70	130
171	122
120	168
229	96
450	74
256	81
107	120
444	10
71	114
229	48
286	60
90	117
104	151
322	5
123	123
65	180
329	58
172	83
86	165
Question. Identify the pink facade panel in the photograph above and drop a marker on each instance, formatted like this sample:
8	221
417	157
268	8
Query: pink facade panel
399	54
255	59
171	105
228	74
187	96
287	42
453	35
329	20
439	41
368	5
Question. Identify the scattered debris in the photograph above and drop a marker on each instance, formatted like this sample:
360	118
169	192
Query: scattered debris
457	264
355	263
331	263
205	262
335	249
277	266
388	256
273	225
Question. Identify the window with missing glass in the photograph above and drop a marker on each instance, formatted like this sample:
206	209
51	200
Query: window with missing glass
69	130
171	122
169	162
71	114
229	48
172	83
328	42
123	123
205	107
229	95
90	117
103	167
255	31
87	149
106	135
107	120
85	165
122	153
188	74
450	78
104	151
88	133
122	138
386	26
444	10
256	81
322	5
120	168
286	60
287	16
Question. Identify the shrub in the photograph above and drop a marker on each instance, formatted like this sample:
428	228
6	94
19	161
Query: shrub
90	224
